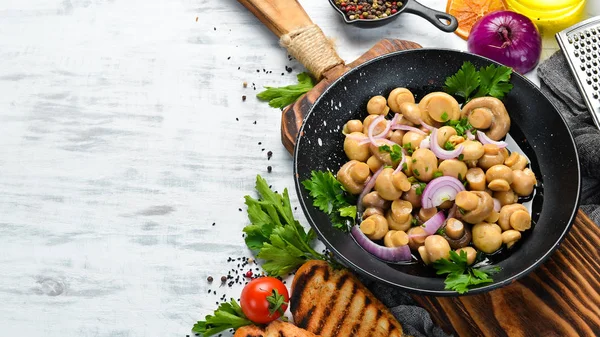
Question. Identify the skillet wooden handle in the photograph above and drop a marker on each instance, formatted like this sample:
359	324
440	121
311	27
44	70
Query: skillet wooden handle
280	16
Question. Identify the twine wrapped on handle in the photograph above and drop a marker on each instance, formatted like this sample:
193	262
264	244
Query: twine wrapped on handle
311	48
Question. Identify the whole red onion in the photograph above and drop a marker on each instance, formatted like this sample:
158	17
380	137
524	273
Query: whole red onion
507	37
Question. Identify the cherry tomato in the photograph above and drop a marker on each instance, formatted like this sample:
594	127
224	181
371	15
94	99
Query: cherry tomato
257	299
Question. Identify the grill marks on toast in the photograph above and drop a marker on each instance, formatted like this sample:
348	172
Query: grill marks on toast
333	303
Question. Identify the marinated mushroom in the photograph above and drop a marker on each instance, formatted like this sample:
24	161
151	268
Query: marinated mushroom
424	164
456	233
394	238
426	213
491	156
440	107
476	179
372	211
354	149
471	254
516	161
411	112
374	163
383	156
510	237
444	133
412	196
399	96
523	182
506	197
412	139
484	208
400	214
372	199
400	226
473	150
435	248
378	128
499	178
453	168
416	237
353	176
390	185
488	113
353	125
397	136
487	237
374	227
377	105
514	216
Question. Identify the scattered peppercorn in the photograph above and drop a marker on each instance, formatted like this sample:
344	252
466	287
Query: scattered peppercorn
244	99
196	19
223	278
209	279
245	84
288	69
229	58
269	155
269	169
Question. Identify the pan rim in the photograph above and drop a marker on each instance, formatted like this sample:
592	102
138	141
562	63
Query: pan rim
421	291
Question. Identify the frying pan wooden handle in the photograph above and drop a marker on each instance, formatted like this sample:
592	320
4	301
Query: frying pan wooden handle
297	33
280	16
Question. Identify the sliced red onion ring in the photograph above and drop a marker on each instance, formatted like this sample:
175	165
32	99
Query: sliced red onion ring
484	139
408	128
441	153
396	254
497	205
439	190
368	187
382	134
426	126
470	135
402	161
432	225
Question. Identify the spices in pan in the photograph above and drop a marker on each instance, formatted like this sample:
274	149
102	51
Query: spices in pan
368	9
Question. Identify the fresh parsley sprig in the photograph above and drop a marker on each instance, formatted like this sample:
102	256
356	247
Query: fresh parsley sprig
228	315
274	232
280	97
330	197
469	83
460	276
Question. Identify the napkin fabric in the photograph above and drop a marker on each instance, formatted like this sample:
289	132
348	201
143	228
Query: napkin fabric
559	85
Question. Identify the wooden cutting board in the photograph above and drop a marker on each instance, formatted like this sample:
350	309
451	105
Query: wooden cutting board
560	298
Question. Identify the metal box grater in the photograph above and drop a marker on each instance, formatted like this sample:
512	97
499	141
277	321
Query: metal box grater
581	45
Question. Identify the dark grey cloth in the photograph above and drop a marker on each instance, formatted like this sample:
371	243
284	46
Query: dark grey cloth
415	320
559	85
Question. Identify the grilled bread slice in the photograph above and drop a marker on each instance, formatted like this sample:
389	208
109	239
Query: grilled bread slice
333	303
274	329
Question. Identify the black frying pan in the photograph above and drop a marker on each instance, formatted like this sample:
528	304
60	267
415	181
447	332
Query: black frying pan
537	128
441	20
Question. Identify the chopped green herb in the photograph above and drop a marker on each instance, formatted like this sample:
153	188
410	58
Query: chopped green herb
441	231
444	116
419	190
460	177
426	168
461	211
460	276
416	172
437	174
414	222
461	156
395	151
408	148
461	126
414	161
413	180
448	146
404	167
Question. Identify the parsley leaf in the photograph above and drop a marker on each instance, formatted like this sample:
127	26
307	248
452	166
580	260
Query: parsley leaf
494	81
274	232
460	276
464	82
330	197
469	83
227	316
280	97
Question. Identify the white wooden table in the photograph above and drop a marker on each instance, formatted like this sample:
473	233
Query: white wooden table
124	137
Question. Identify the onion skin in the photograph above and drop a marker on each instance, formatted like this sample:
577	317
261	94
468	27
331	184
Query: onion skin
507	37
